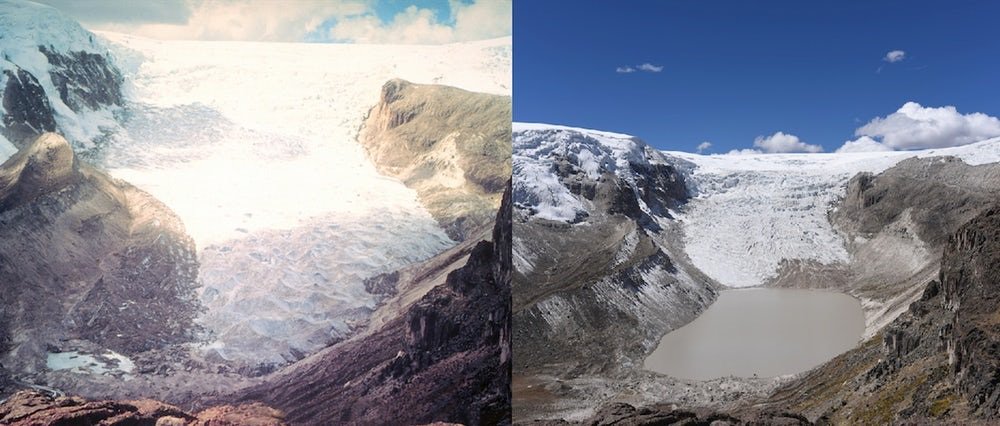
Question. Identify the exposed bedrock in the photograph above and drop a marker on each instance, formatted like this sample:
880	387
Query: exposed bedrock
450	145
85	256
27	112
83	82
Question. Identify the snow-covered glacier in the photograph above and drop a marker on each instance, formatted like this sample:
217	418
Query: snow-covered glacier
746	213
253	146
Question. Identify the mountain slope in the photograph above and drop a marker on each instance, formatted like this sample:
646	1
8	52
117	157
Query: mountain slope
118	272
443	357
611	194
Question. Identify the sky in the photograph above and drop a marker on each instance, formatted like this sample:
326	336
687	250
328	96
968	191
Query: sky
343	21
765	76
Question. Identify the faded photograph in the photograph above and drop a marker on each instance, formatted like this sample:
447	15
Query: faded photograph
255	212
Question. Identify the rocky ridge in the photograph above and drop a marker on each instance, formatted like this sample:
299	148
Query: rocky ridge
450	145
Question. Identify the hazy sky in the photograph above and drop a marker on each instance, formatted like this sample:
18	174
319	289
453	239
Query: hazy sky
360	21
774	76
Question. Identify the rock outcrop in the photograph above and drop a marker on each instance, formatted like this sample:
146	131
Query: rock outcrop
446	356
27	112
89	258
450	145
32	408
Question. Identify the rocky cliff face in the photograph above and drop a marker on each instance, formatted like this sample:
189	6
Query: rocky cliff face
87	258
450	145
970	281
27	112
443	357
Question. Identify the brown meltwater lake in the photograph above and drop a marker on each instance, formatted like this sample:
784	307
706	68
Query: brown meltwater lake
761	331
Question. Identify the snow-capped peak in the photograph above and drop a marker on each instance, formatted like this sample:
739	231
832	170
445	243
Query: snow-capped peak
53	48
537	147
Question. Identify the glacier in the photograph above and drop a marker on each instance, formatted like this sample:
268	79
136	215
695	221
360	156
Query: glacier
747	212
254	146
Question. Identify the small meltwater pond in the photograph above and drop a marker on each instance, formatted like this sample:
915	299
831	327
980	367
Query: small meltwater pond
761	332
109	362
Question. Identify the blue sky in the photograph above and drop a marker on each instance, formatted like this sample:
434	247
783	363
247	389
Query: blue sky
733	71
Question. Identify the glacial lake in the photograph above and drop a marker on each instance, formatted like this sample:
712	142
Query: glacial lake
762	332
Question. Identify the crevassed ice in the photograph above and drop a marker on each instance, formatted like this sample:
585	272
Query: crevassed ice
751	211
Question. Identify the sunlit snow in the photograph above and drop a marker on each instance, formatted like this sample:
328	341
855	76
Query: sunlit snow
751	211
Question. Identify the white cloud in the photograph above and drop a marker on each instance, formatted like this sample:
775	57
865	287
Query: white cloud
745	151
268	20
894	56
917	127
475	21
702	147
648	67
863	144
781	142
645	67
247	20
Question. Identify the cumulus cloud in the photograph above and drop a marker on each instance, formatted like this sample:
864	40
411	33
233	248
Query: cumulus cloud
301	20
863	144
648	67
745	151
914	126
781	142
624	70
894	56
475	21
704	146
